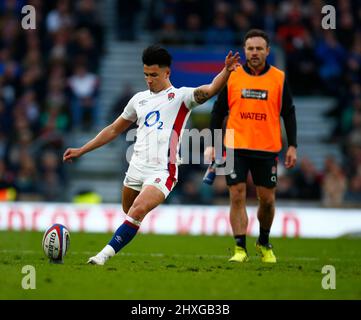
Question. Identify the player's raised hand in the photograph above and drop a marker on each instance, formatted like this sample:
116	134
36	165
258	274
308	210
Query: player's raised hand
71	153
232	61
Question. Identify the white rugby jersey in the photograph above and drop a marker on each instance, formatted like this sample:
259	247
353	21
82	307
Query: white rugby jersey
161	118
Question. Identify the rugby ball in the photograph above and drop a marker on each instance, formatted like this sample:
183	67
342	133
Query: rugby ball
56	241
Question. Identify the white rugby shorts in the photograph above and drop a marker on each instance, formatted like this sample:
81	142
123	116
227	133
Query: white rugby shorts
165	180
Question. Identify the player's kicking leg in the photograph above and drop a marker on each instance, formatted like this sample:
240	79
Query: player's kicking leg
128	197
149	198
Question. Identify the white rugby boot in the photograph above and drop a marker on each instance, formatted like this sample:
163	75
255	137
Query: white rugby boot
98	259
102	256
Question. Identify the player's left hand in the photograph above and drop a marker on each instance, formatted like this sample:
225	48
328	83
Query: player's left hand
71	153
291	157
232	61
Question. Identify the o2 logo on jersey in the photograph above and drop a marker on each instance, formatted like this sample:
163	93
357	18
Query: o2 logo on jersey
153	118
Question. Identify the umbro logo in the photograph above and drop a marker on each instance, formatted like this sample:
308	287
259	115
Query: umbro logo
143	102
118	239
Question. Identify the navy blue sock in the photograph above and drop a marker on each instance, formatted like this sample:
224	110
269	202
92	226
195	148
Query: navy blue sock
124	234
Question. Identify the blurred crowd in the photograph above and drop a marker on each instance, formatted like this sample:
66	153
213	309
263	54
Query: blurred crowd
48	86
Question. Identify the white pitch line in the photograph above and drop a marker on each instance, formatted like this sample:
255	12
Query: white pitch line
158	254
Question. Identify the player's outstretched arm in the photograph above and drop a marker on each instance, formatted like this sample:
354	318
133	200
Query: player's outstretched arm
205	92
108	134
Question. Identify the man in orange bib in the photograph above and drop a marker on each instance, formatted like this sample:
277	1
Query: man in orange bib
255	98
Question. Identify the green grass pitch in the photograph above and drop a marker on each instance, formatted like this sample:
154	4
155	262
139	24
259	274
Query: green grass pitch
180	267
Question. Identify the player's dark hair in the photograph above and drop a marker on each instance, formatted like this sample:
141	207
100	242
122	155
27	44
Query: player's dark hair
256	33
155	54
